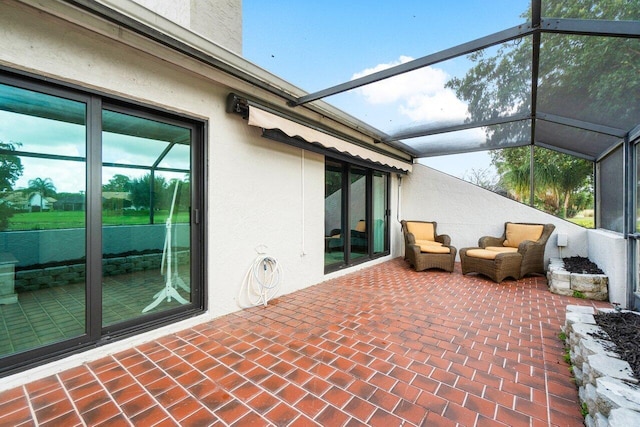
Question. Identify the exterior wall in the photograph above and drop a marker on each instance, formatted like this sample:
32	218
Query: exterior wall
217	20
467	212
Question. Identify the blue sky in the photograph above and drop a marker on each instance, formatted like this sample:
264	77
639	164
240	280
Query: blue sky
315	45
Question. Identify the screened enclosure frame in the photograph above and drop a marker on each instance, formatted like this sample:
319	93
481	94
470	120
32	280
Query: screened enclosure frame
537	27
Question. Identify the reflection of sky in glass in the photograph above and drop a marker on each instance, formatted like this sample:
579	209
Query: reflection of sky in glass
67	176
40	135
177	158
130	150
46	136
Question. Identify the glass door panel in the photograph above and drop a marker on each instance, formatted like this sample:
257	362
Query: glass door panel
146	217
42	219
380	200
358	213
333	233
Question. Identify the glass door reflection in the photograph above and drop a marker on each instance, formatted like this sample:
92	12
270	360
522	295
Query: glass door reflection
145	216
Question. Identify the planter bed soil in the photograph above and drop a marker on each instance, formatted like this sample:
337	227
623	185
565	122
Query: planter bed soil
624	331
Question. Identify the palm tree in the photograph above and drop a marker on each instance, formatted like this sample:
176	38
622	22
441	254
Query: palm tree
43	186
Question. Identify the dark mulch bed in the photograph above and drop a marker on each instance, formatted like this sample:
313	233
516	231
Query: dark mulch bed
624	331
578	264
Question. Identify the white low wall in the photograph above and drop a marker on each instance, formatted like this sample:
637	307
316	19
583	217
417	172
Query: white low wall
467	212
608	250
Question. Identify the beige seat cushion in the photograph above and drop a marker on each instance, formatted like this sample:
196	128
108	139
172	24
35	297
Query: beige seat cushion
434	249
501	249
421	230
517	233
428	242
482	253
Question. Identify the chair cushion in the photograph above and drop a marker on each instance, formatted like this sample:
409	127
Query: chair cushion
434	249
421	230
428	242
517	233
482	253
501	249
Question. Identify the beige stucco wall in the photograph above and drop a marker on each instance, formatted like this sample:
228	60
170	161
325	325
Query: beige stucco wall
217	20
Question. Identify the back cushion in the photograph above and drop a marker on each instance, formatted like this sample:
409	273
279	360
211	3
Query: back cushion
421	230
517	233
361	226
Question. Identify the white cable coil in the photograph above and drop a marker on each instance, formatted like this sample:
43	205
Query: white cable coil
262	281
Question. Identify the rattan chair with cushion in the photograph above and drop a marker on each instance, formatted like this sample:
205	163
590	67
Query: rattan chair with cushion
517	253
425	248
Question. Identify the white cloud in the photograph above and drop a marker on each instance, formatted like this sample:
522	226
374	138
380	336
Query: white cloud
420	95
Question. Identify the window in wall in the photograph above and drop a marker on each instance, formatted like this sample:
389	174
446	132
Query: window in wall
97	234
356	214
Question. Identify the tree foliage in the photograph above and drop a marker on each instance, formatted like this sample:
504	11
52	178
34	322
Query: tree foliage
119	183
44	186
10	166
10	170
563	184
141	189
579	76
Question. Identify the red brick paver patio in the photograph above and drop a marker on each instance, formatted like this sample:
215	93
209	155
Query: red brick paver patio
384	346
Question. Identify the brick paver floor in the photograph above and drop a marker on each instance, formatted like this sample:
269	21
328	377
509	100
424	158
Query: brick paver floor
384	346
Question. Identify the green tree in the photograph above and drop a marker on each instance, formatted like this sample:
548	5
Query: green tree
119	182
141	192
10	170
43	186
561	181
10	166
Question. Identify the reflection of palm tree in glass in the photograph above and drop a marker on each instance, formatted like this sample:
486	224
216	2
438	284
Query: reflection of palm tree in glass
43	186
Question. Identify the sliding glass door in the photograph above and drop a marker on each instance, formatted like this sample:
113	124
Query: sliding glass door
100	231
145	216
356	214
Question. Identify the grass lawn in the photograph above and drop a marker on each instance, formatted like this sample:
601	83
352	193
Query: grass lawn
76	219
586	222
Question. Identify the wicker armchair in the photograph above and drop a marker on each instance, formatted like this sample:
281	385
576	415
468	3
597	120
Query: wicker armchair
518	252
425	249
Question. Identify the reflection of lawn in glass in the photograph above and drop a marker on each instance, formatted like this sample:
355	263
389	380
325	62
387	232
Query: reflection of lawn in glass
76	219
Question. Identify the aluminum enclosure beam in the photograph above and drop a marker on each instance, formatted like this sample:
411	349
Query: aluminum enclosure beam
427	130
462	49
579	124
564	151
591	27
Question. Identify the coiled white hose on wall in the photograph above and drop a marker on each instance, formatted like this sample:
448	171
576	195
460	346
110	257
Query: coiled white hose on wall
262	281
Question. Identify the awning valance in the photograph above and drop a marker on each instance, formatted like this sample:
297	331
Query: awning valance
266	120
